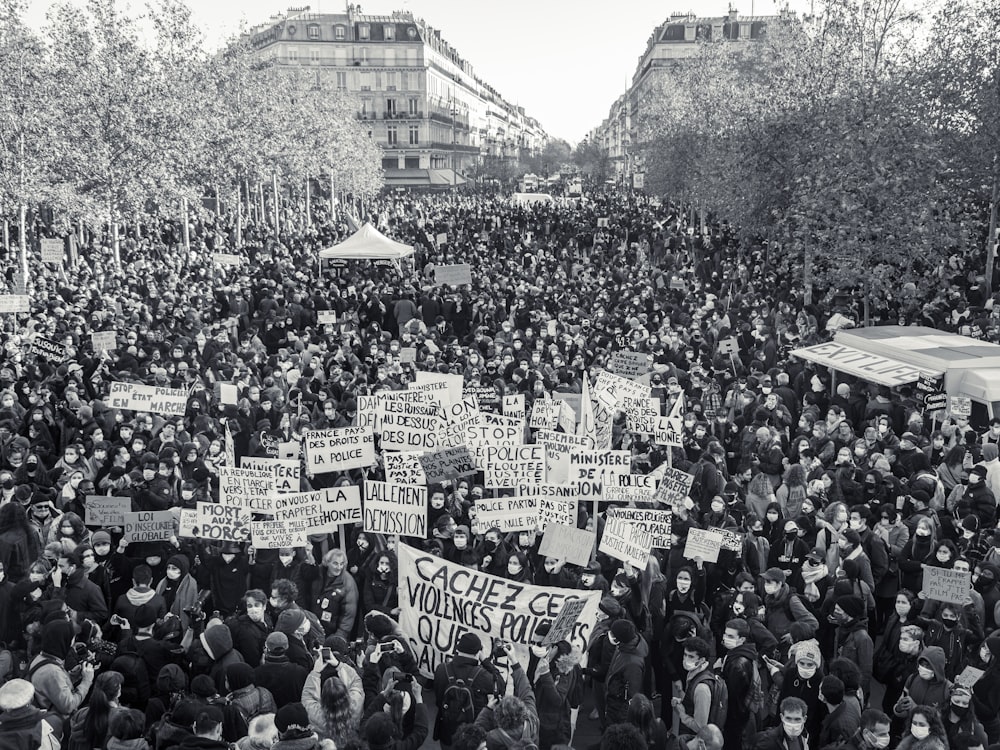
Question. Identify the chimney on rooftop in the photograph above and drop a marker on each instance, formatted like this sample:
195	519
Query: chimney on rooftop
733	13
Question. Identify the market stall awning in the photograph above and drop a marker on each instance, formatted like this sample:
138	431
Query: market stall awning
862	364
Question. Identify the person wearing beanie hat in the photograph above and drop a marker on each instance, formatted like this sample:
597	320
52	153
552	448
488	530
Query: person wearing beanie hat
212	652
979	497
775	575
591	579
480	676
179	589
23	725
852	639
54	690
626	670
292	722
283	678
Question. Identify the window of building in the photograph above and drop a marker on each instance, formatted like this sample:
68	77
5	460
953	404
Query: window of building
363	55
364	31
404	81
293	54
339	32
340	56
411	56
390	162
389	32
390	108
389	56
411	32
392	135
378	80
366	108
314	55
313	31
412	105
341	81
366	80
438	161
414	135
412	162
390	81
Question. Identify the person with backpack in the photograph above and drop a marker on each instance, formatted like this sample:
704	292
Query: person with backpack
625	673
512	724
462	687
54	689
23	726
742	675
252	700
706	696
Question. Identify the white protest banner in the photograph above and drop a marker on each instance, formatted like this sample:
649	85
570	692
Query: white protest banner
453	382
704	544
562	628
945	584
626	541
104	341
628	364
14	303
148	526
369	415
545	414
276	535
338	450
674	486
642	415
506	513
52	250
558	447
222	523
395	509
287	471
409	427
227	259
511	465
454	435
590	469
440	601
455	274
326	317
657	522
557	503
148	398
629	489
669	431
319	511
513	406
106	511
610	389
403	468
565	542
448	463
247	488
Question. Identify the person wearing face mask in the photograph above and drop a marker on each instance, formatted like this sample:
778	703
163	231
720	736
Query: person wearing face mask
788	554
462	550
178	589
554	573
792	731
960	722
976	498
919	548
783	607
624	677
251	627
493	553
929	686
924	730
986	690
380	587
851	639
226	570
739	662
518	569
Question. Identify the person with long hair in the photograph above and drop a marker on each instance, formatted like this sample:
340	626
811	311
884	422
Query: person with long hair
915	553
19	545
396	718
89	726
333	710
924	730
792	491
641	715
68	531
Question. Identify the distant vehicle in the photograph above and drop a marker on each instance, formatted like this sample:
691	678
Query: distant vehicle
530	199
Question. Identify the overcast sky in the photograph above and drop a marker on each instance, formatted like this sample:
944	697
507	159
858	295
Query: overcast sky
564	61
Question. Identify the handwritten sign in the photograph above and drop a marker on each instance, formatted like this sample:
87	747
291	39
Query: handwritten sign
456	274
674	486
562	628
511	465
557	503
704	544
513	405
961	406
506	513
567	543
104	341
106	511
339	450
729	346
148	398
969	677
403	468
248	488
287	472
447	464
14	303
629	364
669	431
326	317
52	250
319	511
629	489
658	523
946	585
626	541
545	414
148	526
50	351
395	509
731	540
227	259
222	523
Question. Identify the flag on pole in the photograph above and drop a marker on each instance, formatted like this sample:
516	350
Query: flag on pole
586	427
352	223
230	448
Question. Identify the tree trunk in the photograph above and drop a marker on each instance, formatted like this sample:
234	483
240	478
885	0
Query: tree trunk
239	217
274	190
991	237
867	303
185	229
22	218
807	281
308	196
333	200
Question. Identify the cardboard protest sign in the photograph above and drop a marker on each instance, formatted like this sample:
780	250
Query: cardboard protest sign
52	250
729	346
669	431
395	509
642	415
50	351
674	486
598	464
408	355
961	406
456	274
227	259
447	464
248	488
511	465
403	468
567	420
222	523
148	526
629	489
148	398
626	541
287	471
704	544
338	450
275	535
370	407
104	341
319	511
573	400
513	405
562	628
467	407
440	601
326	317
545	414
454	384
409	426
731	540
558	447
486	396
629	364
14	303
969	677
440	238
610	389
106	511
454	435
657	522
506	513
486	431
228	394
946	585
187	522
567	543
557	503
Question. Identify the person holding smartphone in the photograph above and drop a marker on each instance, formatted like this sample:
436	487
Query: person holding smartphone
345	696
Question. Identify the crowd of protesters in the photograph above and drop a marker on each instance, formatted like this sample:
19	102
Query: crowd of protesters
816	634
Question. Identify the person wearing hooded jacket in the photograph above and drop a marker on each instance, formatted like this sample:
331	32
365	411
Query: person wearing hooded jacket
852	640
625	672
54	689
737	671
928	686
79	592
251	699
178	589
513	721
213	652
986	691
783	607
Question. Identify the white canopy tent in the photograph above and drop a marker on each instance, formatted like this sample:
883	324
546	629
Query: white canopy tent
368	244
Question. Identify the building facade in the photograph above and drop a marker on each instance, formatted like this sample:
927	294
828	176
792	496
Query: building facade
670	45
437	122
